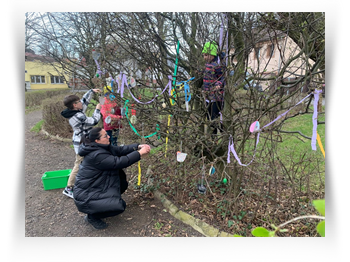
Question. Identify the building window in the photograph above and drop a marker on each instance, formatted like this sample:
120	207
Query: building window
57	80
270	50
37	79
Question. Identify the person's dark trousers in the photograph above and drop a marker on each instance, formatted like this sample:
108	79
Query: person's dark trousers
213	112
123	186
104	214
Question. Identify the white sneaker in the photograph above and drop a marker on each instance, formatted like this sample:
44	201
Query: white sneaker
68	191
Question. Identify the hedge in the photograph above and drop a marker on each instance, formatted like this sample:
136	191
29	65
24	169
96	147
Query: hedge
35	98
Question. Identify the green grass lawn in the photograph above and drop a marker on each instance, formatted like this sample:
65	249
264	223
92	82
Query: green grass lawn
304	125
294	147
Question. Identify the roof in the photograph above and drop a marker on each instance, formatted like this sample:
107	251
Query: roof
33	57
268	34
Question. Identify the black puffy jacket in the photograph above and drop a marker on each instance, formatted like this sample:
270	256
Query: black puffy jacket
101	180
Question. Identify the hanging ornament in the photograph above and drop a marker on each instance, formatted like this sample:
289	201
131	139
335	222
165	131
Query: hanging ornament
201	187
101	100
224	181
95	55
122	112
108	120
180	157
255	127
131	81
164	105
133	119
211	171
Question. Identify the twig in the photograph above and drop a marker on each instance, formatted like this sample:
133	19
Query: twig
298	218
298	132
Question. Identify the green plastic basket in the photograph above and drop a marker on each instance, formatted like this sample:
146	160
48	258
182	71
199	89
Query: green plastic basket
55	179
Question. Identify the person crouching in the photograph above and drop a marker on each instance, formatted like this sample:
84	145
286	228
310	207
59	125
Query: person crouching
101	179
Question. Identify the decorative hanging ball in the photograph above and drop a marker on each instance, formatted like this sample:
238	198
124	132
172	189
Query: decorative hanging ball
224	181
164	105
97	75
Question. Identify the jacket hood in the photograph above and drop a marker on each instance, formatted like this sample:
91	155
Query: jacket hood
85	149
68	113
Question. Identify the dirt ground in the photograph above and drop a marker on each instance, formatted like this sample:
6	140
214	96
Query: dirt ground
49	213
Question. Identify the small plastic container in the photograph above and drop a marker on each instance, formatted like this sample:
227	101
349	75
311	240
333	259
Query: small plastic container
55	179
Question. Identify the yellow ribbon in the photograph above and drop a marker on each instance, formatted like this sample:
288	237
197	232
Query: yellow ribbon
320	145
166	139
139	177
172	101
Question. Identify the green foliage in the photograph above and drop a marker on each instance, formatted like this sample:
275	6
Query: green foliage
321	228
320	206
230	223
261	232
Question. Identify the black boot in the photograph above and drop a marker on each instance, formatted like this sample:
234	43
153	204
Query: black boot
95	222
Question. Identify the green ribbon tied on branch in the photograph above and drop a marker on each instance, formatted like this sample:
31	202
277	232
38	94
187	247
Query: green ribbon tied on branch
133	128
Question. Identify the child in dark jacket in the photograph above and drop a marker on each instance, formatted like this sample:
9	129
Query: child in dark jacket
213	84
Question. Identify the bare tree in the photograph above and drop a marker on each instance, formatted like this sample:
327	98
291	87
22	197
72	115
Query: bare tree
136	43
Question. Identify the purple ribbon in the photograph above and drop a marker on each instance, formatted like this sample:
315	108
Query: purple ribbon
286	112
125	81
99	71
121	85
231	145
314	119
232	149
168	86
98	67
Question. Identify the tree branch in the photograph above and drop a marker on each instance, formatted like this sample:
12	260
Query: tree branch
297	132
298	218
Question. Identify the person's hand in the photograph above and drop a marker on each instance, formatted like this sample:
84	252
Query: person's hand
98	106
217	88
144	149
96	90
144	145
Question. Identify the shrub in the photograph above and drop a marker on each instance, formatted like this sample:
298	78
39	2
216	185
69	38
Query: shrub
54	123
35	98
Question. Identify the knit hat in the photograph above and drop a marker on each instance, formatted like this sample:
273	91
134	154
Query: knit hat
210	48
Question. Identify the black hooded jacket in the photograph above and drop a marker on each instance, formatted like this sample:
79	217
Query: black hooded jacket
101	180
